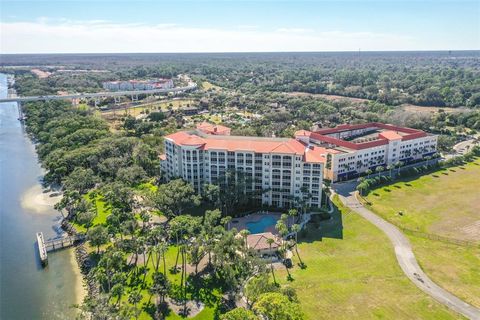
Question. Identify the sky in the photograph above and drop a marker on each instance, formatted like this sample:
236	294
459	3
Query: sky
111	26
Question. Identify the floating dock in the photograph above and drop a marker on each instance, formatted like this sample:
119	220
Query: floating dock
42	250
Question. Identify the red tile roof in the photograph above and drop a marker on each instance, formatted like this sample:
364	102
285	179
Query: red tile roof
213	128
248	144
316	154
390	135
302	133
258	241
193	140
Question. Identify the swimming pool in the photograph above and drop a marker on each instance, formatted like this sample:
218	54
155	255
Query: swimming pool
261	225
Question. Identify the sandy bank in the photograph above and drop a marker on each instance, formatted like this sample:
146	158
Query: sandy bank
37	201
80	290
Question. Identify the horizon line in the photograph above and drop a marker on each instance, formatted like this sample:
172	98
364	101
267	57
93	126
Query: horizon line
237	52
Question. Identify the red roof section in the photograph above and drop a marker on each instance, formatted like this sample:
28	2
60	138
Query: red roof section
213	128
193	140
259	241
302	133
392	133
249	144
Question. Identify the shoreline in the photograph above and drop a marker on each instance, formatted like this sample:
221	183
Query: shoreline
37	201
80	289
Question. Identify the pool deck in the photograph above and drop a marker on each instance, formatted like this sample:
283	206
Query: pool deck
241	223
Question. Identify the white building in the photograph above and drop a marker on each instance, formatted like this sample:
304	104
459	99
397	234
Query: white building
280	172
353	149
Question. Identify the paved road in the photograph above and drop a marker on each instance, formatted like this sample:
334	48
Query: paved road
461	148
405	257
464	146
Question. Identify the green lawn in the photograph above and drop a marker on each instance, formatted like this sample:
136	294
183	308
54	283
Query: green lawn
445	203
455	268
208	85
163	105
352	273
174	278
102	212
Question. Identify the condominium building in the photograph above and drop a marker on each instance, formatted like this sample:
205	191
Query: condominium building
280	172
354	149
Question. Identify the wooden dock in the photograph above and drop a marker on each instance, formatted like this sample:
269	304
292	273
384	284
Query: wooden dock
45	246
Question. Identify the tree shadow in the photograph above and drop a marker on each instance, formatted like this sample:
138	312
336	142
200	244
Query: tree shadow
435	176
151	309
318	229
397	186
408	185
445	173
386	190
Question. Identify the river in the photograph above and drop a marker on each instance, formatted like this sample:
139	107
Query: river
28	291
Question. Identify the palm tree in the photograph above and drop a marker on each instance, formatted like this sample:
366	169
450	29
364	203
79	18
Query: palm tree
134	298
293	213
368	172
145	217
270	241
160	286
296	229
244	233
399	164
283	231
389	168
117	291
379	169
428	158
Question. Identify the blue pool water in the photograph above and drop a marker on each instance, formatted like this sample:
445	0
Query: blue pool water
261	225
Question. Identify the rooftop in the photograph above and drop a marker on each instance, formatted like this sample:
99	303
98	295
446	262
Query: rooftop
206	141
377	134
213	128
258	241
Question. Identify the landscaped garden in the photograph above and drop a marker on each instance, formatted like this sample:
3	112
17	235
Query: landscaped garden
352	273
435	211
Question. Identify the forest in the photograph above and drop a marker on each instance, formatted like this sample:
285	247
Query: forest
438	79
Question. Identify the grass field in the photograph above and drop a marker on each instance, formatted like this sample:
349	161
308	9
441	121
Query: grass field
206	314
444	203
163	105
208	85
102	212
453	267
352	273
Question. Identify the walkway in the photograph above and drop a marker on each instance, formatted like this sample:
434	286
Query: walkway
405	257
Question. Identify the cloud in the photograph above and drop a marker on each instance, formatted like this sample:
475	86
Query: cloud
45	35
